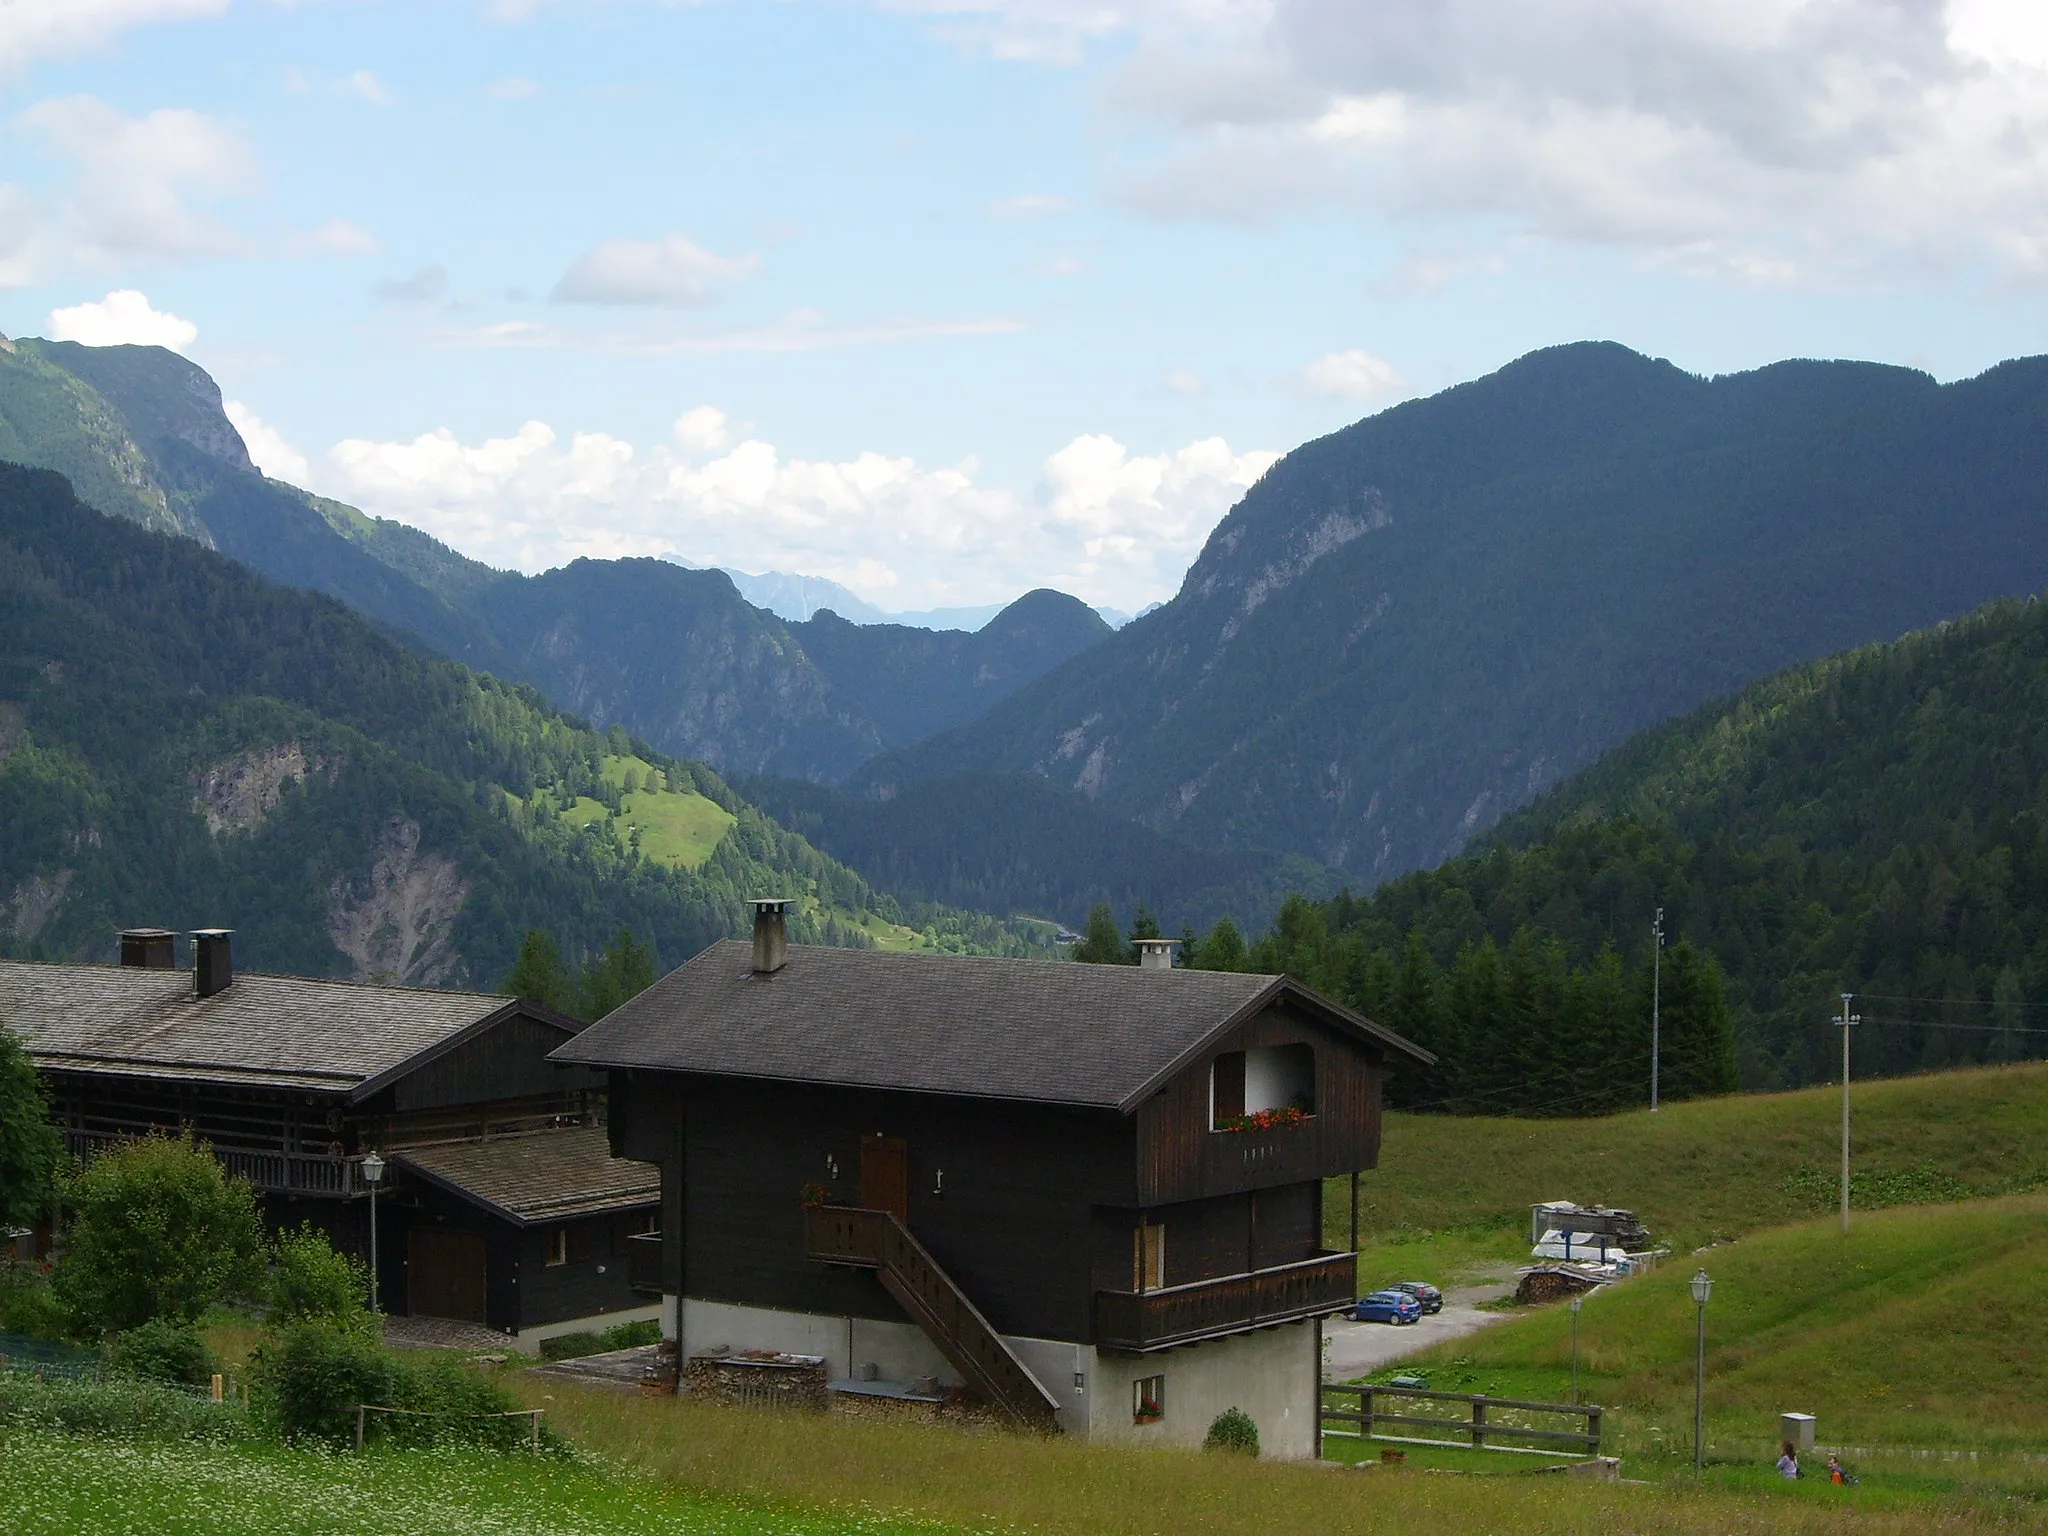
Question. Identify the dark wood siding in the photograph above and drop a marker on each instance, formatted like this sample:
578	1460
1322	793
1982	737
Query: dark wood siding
1181	1158
1002	1195
1206	1239
592	1283
508	1061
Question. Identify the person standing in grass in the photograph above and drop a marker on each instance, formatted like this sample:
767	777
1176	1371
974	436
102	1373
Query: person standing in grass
1837	1473
1788	1460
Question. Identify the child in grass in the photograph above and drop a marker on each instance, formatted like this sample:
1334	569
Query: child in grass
1788	1460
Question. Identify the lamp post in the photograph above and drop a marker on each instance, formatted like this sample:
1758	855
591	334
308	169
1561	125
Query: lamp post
1848	1021
1656	997
1702	1288
373	1175
1578	1301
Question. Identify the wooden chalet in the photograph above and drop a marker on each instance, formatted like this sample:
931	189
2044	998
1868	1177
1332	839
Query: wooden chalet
501	1204
1092	1195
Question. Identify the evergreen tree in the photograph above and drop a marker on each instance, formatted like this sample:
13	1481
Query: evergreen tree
540	977
1223	949
1298	944
1698	1038
1101	943
1143	926
622	972
30	1146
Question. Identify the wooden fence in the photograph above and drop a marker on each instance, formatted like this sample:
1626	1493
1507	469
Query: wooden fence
1483	1422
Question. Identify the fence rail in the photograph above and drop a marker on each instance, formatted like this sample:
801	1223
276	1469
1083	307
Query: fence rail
1479	1426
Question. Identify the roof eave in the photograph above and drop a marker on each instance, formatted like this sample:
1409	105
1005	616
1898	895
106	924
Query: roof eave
371	1086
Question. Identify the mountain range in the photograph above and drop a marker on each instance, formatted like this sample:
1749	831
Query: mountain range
796	598
1414	625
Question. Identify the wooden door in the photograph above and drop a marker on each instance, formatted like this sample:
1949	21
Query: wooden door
447	1273
885	1175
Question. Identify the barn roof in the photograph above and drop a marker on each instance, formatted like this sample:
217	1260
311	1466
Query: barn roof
272	1032
1044	1030
539	1177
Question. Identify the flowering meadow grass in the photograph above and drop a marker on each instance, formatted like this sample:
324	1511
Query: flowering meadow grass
63	1485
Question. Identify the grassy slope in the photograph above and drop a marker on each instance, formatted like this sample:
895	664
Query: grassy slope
1453	1192
1924	1326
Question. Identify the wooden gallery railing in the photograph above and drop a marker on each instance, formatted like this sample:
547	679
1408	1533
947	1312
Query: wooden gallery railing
1208	1309
1477	1425
876	1240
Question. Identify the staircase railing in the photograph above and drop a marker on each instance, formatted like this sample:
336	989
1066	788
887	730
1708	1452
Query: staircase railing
876	1240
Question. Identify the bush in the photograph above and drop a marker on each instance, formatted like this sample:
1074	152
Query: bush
1233	1431
570	1346
126	1409
30	1147
28	1305
157	1230
630	1335
314	1375
310	1282
161	1351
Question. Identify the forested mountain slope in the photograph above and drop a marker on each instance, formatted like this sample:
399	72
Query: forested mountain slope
1424	620
1015	843
185	743
1874	823
673	654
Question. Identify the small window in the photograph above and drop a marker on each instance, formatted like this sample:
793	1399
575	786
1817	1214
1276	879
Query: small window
558	1246
1148	1399
1263	1087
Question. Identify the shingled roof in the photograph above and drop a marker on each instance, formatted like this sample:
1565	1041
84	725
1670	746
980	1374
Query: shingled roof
1042	1030
263	1031
539	1177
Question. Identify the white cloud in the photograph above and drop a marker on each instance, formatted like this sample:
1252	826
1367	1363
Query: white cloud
1184	381
337	237
1060	266
123	317
365	86
513	88
802	330
41	29
1104	523
133	175
423	287
673	270
1819	143
268	448
1354	374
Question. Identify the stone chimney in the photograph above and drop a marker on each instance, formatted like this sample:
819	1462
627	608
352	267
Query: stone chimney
1156	954
149	949
213	965
771	934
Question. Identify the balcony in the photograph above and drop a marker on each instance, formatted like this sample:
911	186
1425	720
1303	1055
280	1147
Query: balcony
267	1172
643	1262
1139	1321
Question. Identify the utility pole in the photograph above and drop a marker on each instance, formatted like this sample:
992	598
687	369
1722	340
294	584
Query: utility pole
1656	998
1847	1020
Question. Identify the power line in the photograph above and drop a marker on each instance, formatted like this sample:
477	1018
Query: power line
1984	1029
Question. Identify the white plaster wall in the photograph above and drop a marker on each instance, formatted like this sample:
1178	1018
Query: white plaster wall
1272	1077
1273	1375
528	1339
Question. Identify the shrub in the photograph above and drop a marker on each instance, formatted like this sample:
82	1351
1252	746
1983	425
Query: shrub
161	1351
30	1146
570	1346
314	1375
1233	1431
630	1335
28	1305
127	1409
157	1231
310	1282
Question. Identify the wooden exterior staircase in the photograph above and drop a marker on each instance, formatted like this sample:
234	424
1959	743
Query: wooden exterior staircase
877	1240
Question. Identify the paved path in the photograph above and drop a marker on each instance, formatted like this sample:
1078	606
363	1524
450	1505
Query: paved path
445	1333
1353	1349
616	1368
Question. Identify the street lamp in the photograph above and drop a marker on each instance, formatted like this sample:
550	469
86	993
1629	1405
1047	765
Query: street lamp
1656	997
373	1175
1578	1301
1702	1288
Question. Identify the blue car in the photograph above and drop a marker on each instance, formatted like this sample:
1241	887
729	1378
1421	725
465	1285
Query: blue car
1388	1307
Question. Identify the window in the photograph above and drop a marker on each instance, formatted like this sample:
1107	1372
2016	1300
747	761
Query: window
1148	1399
1148	1258
1265	1086
558	1246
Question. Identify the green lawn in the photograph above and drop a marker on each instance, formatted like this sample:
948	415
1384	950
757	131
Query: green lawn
675	828
1924	1327
1452	1194
60	1485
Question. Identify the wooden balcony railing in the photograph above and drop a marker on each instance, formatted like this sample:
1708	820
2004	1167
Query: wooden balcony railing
643	1262
877	1240
270	1172
1210	1309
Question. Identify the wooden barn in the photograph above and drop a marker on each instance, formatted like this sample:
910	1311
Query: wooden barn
1092	1195
500	1204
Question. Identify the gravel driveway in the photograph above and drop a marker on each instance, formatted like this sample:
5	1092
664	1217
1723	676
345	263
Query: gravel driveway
1354	1349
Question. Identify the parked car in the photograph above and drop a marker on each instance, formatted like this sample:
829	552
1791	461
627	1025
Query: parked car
1388	1307
1428	1296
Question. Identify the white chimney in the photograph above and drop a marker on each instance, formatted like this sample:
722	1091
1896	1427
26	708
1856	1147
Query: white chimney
1156	954
771	934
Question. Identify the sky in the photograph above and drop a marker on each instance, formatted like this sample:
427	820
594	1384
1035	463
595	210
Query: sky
948	299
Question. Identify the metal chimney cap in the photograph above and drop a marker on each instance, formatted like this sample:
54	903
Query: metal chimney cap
211	933
147	933
762	904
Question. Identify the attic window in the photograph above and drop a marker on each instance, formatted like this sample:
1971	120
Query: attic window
1266	1085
